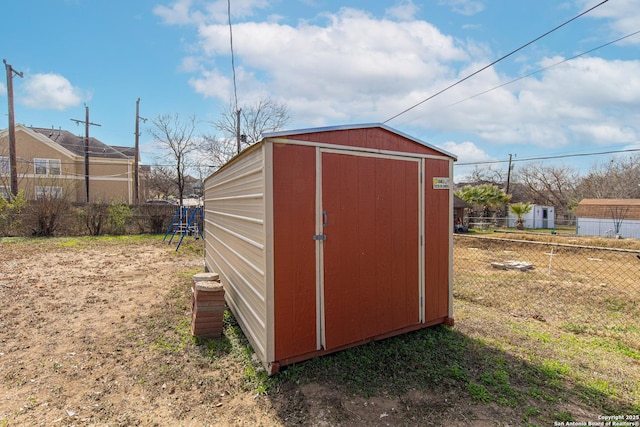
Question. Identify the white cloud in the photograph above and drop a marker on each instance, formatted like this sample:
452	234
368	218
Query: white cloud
350	66
353	65
464	7
212	84
3	89
186	12
406	10
622	15
179	13
49	91
466	152
583	101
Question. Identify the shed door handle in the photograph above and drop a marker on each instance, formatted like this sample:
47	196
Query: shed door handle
325	218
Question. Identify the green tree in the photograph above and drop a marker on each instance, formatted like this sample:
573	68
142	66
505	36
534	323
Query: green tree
520	209
483	197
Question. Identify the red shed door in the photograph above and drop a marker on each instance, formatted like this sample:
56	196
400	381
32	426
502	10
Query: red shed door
371	253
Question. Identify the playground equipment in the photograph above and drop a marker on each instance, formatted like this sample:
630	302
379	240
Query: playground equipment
185	223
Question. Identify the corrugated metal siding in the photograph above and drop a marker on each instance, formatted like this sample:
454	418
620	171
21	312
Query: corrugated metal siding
235	239
605	227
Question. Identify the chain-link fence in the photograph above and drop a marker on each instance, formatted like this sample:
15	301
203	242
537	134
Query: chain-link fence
579	289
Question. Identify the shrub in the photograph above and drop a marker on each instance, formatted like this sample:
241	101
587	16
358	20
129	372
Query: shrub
10	210
119	215
93	216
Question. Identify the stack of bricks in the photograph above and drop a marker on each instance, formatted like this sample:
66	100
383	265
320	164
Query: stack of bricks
207	306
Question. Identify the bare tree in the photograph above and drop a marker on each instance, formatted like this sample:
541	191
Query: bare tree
487	175
176	137
161	182
266	115
548	185
617	178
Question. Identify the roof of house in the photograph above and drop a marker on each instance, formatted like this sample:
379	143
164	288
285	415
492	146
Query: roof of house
75	144
460	203
607	208
127	151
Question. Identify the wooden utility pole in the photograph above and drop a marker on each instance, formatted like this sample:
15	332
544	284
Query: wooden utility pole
509	173
12	129
136	176
87	123
238	128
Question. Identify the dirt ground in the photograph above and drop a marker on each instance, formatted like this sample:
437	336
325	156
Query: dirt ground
86	334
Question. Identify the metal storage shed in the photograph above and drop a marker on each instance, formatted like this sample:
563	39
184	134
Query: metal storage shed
328	238
538	217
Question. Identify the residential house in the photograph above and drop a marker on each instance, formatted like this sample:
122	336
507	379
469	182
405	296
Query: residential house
51	163
608	218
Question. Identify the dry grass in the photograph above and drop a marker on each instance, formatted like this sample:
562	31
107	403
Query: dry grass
578	309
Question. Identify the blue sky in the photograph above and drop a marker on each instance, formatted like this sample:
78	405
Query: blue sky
338	62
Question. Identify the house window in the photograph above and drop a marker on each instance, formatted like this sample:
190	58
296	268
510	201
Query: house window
47	166
4	192
4	165
48	192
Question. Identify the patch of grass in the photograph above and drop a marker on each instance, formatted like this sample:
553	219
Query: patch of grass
81	242
575	328
554	369
255	377
562	417
600	387
167	344
617	347
530	412
495	377
614	305
539	394
479	392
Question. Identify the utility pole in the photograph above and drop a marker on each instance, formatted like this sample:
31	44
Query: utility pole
136	177
87	123
238	128
12	128
509	173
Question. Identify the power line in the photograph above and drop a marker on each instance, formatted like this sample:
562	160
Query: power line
233	62
496	61
537	71
559	156
233	68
